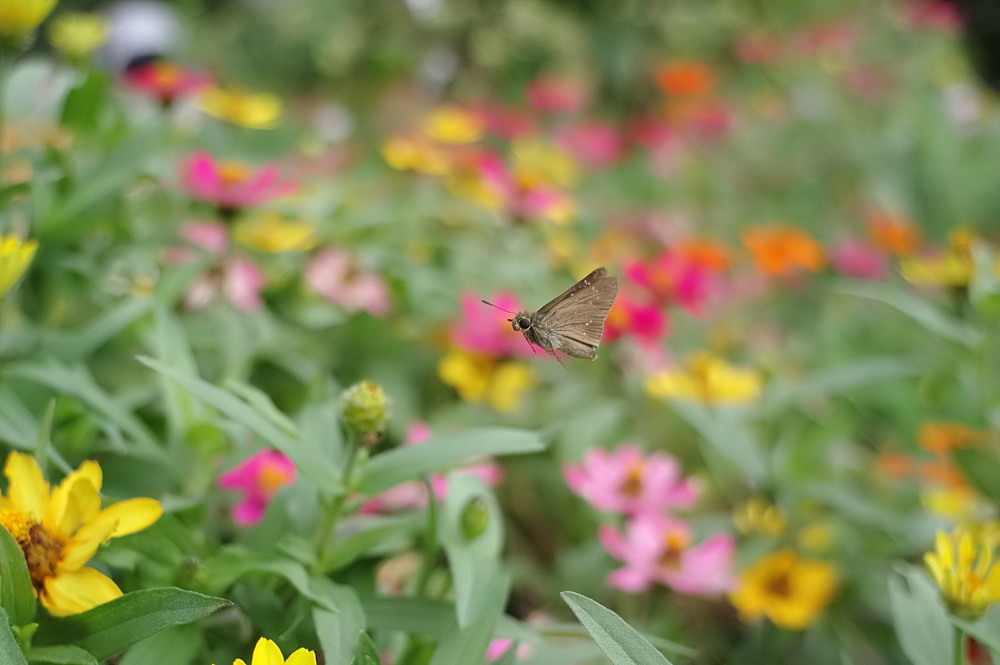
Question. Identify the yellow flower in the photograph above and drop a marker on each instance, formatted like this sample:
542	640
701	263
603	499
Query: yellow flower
953	268
705	378
19	18
267	653
452	124
406	153
479	378
254	110
60	530
541	162
759	516
15	255
962	564
78	34
786	589
275	233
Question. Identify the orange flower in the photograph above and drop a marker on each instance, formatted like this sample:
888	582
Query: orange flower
706	253
894	464
941	438
893	233
685	78
782	250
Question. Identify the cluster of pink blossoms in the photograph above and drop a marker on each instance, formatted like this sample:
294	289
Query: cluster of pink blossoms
655	545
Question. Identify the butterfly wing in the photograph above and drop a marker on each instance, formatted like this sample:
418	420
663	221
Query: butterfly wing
574	321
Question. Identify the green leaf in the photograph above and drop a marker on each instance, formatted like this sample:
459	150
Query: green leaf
442	451
841	379
920	618
363	534
61	655
77	346
338	629
10	651
472	561
620	642
16	596
468	644
83	105
180	644
230	565
980	468
367	653
111	628
421	616
729	437
18	425
920	310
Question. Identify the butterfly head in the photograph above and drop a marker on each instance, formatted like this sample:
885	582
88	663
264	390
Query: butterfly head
520	322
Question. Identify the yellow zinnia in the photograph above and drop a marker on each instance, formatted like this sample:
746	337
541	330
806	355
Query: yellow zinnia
786	589
962	564
15	255
275	233
452	124
705	378
481	378
78	34
19	18
254	110
267	653
60	529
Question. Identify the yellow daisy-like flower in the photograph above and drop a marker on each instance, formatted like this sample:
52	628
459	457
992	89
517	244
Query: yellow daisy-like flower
19	18
254	110
543	162
267	653
452	124
705	378
479	378
15	255
786	589
273	232
78	34
60	529
962	564
407	153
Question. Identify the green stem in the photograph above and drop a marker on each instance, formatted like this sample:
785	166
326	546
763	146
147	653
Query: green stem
958	641
334	509
431	544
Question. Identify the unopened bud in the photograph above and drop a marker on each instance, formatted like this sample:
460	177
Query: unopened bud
364	409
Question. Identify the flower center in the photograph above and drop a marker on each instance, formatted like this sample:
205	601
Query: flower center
779	585
233	172
674	543
632	485
271	477
42	550
166	75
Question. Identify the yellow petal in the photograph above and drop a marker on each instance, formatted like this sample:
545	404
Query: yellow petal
82	546
79	591
267	653
74	501
302	657
27	489
132	515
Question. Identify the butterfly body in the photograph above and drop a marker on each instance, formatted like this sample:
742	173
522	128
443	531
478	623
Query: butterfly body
572	322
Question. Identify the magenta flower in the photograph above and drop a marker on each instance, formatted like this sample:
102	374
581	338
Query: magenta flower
234	277
645	323
230	185
856	258
166	81
339	278
485	330
670	278
259	478
626	481
560	95
658	549
595	142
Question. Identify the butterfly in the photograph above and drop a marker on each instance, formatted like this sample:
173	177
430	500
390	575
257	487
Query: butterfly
573	321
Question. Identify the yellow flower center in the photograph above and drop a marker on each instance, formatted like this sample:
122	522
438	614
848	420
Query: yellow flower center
233	172
779	584
166	74
632	485
674	542
271	478
42	550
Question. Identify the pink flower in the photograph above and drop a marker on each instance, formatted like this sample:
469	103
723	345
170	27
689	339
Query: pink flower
856	258
625	481
237	278
338	277
594	142
259	478
230	185
558	95
166	81
523	197
630	318
499	646
932	14
658	549
671	278
486	330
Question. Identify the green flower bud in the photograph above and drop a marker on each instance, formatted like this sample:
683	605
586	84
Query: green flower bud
475	518
364	409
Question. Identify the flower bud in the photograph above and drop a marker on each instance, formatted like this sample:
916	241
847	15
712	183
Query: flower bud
364	409
475	518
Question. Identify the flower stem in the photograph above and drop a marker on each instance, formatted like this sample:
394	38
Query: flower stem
334	508
958	642
431	544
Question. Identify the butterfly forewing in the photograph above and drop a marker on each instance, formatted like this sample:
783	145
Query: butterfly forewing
573	322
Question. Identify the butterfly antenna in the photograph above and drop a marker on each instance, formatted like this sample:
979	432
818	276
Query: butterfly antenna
498	307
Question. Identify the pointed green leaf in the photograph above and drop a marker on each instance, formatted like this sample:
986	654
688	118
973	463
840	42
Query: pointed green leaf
442	451
620	642
16	596
10	651
468	644
232	564
111	628
338	629
367	653
728	435
61	655
920	618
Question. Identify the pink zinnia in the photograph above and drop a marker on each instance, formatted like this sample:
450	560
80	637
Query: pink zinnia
594	143
485	330
237	278
521	198
259	478
671	278
626	481
856	258
646	323
658	549
230	185
558	95
339	278
166	81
